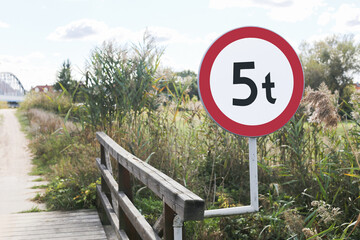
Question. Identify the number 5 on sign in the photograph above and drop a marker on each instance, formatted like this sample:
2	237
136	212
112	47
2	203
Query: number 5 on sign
251	81
238	80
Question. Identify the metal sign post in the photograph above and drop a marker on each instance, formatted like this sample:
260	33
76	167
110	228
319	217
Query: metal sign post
254	199
250	83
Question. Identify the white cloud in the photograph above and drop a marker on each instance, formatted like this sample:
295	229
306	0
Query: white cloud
93	30
83	29
317	37
282	10
347	19
222	4
31	69
5	59
344	19
324	18
3	25
169	35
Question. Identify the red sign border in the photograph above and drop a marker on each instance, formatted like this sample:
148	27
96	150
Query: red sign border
204	82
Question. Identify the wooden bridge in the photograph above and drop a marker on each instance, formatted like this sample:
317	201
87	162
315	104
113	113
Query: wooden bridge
179	204
72	225
115	206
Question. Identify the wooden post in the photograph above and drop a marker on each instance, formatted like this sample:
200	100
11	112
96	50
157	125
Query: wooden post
105	188
169	216
125	186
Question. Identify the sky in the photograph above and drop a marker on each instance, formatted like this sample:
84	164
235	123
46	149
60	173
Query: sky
37	36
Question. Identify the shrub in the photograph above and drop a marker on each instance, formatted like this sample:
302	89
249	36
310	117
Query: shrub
67	194
59	103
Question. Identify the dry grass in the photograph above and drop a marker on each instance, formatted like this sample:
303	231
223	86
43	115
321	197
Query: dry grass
52	102
46	122
321	106
3	105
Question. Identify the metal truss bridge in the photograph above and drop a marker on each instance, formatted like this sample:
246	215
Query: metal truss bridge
11	89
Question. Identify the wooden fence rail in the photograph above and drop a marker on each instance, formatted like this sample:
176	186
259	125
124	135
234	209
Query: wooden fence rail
127	221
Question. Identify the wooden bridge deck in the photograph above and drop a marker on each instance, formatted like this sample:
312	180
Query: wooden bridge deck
80	224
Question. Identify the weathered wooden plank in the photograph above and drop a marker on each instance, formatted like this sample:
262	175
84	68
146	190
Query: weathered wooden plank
124	185
169	216
92	237
25	217
137	220
142	226
44	219
55	225
114	221
55	231
104	187
40	236
159	225
128	159
29	230
79	212
52	225
186	204
46	222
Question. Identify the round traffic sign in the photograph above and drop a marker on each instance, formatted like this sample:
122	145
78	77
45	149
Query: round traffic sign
251	81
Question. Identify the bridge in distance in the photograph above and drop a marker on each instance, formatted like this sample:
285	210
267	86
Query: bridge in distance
11	89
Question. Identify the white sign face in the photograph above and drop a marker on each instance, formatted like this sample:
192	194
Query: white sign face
264	60
251	81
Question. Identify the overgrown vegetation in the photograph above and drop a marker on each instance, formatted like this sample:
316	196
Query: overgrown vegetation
65	79
308	172
332	61
3	105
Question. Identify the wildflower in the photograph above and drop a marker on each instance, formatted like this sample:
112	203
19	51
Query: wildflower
310	233
326	213
294	222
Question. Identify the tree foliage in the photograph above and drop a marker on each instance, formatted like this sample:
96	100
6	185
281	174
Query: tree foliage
333	61
65	79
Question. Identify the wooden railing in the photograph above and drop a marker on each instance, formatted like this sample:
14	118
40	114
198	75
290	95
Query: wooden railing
179	203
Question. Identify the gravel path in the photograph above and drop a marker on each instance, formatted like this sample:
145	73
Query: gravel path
15	164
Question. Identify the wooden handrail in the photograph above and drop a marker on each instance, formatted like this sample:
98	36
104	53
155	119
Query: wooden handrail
176	198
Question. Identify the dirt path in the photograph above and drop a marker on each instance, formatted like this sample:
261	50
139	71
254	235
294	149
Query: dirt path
15	164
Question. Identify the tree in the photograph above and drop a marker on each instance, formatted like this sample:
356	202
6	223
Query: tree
65	79
334	61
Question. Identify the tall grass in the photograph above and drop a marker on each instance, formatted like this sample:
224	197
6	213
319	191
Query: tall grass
59	103
121	83
3	105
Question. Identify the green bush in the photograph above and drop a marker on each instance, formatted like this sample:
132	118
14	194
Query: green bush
67	194
52	102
